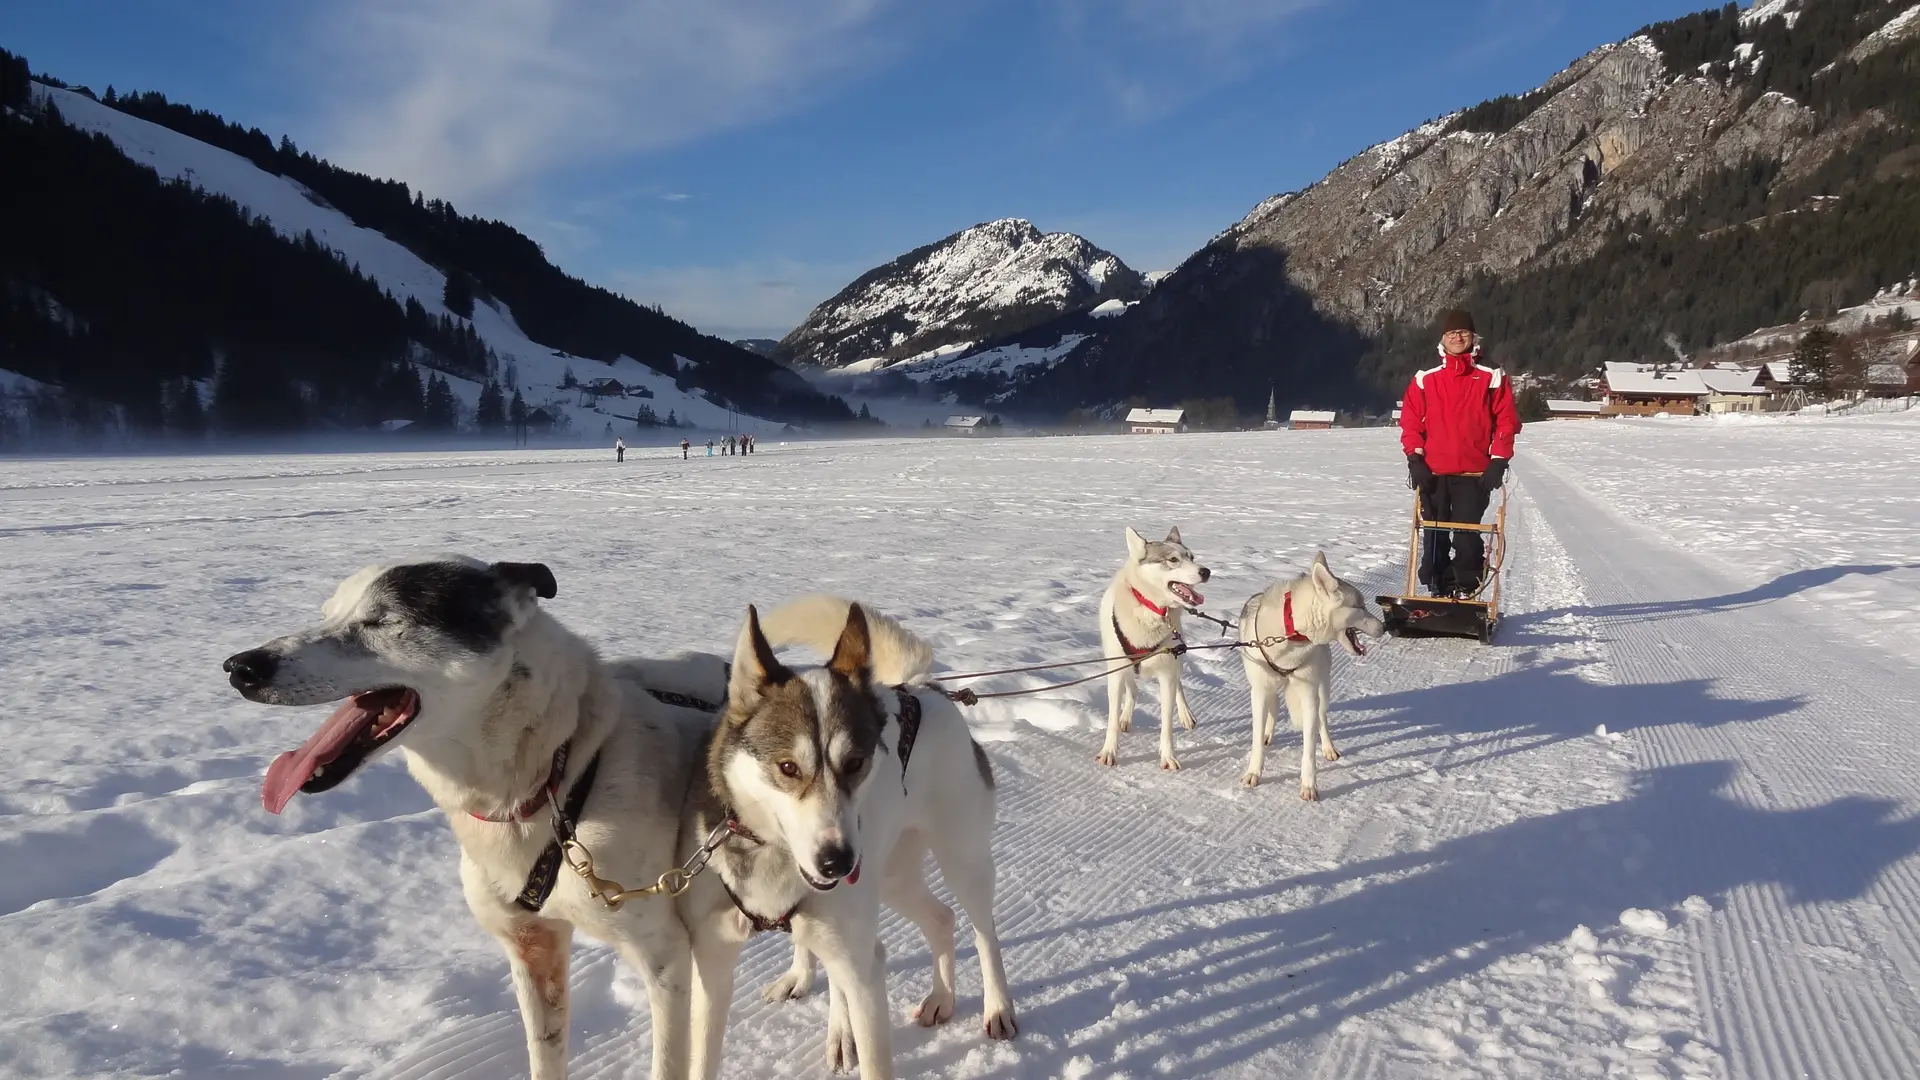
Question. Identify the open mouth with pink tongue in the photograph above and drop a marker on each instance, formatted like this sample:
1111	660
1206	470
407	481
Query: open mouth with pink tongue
1186	594
357	729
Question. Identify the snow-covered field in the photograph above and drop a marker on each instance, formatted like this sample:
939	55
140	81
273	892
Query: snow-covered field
1665	827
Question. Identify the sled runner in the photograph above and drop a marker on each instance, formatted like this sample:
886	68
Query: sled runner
1477	614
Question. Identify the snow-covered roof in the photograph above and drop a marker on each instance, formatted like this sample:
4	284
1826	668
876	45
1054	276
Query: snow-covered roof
1311	416
1564	405
1887	375
1739	381
1157	416
1677	384
964	421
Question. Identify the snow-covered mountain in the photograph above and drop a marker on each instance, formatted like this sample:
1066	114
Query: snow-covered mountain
1712	173
982	283
577	393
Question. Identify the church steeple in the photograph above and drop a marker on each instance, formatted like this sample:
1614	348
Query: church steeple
1273	414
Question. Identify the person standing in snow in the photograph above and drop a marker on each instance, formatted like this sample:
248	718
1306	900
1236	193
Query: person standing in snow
684	447
709	447
619	450
1457	424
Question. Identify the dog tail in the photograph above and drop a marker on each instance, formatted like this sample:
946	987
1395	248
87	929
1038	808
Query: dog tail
899	657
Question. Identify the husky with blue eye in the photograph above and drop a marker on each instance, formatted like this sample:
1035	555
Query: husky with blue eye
826	788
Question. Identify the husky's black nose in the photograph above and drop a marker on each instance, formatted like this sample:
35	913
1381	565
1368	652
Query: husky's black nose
836	861
1205	573
250	670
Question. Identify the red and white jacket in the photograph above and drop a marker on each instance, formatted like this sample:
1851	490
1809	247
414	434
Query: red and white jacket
1460	414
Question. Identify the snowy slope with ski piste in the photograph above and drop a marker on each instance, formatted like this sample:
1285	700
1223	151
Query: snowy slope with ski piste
1665	826
294	210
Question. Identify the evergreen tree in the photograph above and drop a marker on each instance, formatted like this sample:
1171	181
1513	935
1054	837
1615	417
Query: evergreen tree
567	381
491	415
1812	364
864	414
458	294
442	412
1531	404
517	414
672	420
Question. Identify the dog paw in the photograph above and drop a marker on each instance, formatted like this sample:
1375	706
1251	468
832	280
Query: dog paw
1310	794
1169	764
788	987
1126	726
1189	723
1000	1025
936	1010
1252	779
1107	758
1330	754
842	1055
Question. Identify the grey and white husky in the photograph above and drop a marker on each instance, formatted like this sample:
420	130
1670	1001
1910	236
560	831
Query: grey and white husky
827	788
1140	613
502	714
1310	613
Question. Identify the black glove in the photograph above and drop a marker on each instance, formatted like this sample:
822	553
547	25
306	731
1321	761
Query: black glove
1495	475
1419	474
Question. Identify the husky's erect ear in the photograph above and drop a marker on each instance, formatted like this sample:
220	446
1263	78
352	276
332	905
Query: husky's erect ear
854	652
528	575
755	668
1136	544
1173	535
1323	578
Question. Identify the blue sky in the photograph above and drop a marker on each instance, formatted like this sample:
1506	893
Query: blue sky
737	161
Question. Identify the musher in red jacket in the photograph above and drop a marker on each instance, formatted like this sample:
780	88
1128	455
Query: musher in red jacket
1457	424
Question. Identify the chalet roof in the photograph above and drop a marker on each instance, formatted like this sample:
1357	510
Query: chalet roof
1887	375
1157	416
964	421
1731	382
1563	405
1675	384
1311	416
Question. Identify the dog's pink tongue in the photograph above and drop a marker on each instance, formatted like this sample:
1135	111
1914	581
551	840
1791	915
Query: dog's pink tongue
296	767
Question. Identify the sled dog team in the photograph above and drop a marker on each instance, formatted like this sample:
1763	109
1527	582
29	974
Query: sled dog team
604	797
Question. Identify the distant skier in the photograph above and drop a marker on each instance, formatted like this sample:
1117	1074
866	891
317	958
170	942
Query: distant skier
709	447
1457	424
684	447
619	450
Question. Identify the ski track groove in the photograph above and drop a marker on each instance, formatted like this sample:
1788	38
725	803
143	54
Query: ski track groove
1790	1021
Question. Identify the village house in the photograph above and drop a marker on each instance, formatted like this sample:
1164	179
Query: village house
1156	421
1310	420
1565	409
1732	390
1634	390
964	425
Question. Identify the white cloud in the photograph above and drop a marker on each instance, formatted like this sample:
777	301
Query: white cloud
1152	56
466	98
759	298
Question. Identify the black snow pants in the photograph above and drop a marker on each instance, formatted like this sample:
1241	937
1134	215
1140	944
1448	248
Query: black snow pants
1452	498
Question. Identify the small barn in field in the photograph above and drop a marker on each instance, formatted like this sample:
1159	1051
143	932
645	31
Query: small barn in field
964	425
1156	421
1311	420
1564	409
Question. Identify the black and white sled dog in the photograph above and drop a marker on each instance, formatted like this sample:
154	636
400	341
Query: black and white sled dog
509	721
823	790
1140	613
1310	613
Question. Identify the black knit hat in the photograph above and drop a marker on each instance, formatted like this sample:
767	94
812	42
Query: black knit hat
1456	319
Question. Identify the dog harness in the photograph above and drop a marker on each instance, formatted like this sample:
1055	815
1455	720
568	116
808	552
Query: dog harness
538	799
1138	653
684	701
546	869
909	718
1293	635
